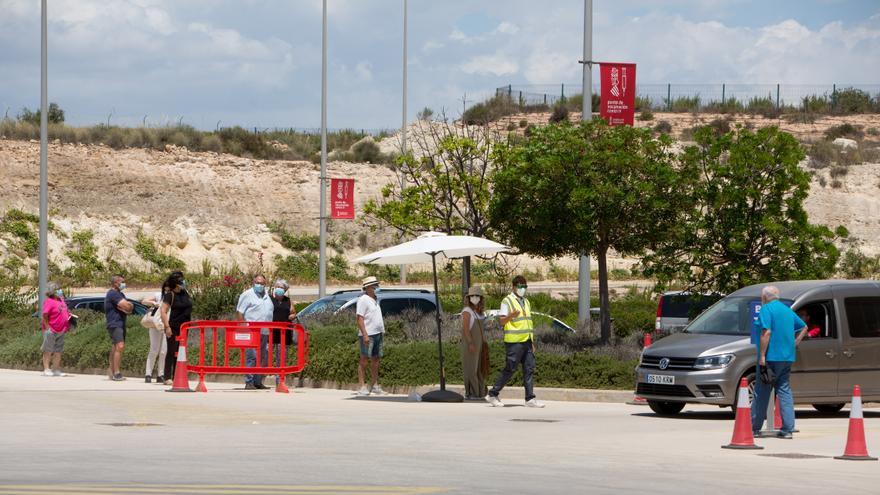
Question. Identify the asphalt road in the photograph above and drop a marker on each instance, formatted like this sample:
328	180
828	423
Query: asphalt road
86	434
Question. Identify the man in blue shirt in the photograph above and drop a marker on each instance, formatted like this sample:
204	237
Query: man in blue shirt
254	304
781	331
116	308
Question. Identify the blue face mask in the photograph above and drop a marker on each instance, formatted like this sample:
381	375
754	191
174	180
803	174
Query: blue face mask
122	286
59	293
279	292
378	290
183	284
259	289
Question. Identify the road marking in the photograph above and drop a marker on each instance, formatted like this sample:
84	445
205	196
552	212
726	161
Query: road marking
146	489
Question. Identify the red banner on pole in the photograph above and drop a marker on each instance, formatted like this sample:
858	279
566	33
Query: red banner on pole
618	92
342	198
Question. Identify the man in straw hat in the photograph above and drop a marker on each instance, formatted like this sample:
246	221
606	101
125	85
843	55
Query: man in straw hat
372	330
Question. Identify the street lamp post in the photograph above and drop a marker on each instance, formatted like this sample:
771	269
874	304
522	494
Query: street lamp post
322	218
44	159
586	114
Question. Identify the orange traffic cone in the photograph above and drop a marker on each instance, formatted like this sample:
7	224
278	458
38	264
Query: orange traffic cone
742	427
856	449
201	386
181	382
647	341
280	386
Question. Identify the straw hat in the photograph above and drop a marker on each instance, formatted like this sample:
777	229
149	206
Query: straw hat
370	281
475	290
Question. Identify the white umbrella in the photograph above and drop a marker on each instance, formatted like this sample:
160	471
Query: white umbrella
428	247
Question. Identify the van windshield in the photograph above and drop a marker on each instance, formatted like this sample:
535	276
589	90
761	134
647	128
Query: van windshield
729	316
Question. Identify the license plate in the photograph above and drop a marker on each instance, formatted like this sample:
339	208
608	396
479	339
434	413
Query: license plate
662	379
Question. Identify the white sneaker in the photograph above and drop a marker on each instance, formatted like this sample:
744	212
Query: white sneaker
377	390
58	373
48	372
363	392
495	401
534	403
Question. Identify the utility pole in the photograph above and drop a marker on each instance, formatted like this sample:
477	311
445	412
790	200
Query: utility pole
403	124
322	218
43	262
586	115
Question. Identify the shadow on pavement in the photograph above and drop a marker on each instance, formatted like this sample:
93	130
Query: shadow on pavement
726	414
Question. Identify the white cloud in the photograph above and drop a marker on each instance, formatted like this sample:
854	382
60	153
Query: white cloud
507	28
457	35
496	65
431	45
364	71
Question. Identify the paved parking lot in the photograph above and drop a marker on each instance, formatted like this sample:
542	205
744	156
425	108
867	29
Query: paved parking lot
86	434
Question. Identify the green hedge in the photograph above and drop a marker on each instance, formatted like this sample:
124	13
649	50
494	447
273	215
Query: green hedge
333	356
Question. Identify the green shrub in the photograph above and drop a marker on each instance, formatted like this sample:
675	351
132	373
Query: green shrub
84	255
55	115
682	104
560	114
845	130
856	265
851	100
646	115
814	104
728	106
663	127
490	110
720	126
764	106
146	248
303	242
367	151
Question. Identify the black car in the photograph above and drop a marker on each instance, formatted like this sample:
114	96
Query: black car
393	302
96	303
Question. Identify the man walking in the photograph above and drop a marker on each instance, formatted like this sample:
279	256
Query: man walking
776	353
519	343
116	309
371	329
254	304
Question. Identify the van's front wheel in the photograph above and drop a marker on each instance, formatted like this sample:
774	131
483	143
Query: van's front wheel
665	408
750	380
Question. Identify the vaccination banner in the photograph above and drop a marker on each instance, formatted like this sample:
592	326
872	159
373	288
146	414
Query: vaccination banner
618	87
342	198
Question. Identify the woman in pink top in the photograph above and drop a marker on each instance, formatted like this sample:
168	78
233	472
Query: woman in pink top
55	325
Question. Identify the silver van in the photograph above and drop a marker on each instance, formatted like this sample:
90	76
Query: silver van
705	362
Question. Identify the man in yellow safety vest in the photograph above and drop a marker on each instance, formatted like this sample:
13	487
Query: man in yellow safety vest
519	343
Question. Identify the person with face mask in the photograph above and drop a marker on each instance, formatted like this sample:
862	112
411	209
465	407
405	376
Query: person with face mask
116	308
284	312
255	304
56	323
474	348
519	343
371	328
176	309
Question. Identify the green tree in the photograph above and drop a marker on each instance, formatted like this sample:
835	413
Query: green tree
446	178
55	115
571	189
751	226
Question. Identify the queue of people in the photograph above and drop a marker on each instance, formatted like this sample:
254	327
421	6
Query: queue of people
171	307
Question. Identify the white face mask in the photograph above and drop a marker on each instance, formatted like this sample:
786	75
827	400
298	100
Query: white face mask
475	300
521	292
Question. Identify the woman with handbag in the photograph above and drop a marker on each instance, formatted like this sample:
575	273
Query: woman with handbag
284	311
152	320
176	310
474	348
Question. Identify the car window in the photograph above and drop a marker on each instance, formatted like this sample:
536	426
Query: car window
424	305
326	305
686	305
96	306
729	316
821	323
395	306
863	315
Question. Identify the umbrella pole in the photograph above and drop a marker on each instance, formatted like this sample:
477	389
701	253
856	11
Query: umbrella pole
441	395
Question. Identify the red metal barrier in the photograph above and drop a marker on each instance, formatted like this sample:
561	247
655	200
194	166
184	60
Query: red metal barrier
243	335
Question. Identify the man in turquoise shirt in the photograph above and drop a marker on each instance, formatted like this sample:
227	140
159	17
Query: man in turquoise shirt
781	332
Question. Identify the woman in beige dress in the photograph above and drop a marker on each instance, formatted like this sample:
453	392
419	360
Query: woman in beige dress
474	348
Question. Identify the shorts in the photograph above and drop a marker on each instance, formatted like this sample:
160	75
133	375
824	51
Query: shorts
374	348
117	335
53	342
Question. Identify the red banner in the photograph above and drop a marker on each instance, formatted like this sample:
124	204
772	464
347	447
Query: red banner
341	198
618	93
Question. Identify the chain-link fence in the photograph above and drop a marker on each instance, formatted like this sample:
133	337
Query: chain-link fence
699	97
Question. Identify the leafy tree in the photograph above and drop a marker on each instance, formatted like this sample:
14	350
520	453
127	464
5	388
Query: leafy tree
446	177
55	115
571	189
751	226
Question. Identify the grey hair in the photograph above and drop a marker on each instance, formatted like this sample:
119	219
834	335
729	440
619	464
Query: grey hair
115	278
52	287
770	293
282	283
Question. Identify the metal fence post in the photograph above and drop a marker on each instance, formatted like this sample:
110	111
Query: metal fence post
833	96
520	99
723	99
510	90
563	92
668	96
545	98
777	96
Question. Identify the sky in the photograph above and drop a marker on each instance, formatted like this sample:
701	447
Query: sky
257	63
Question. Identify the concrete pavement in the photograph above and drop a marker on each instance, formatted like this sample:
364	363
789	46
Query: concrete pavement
86	434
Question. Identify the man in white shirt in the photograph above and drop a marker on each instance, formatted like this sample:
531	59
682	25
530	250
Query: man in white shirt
372	330
254	304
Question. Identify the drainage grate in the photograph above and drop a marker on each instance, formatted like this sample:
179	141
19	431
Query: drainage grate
797	456
530	420
139	425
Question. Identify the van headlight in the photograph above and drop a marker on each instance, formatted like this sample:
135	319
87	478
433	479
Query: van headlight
713	362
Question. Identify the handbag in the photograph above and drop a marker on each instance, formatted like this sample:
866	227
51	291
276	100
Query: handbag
152	319
768	377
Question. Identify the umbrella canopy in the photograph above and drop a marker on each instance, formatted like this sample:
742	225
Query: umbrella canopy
430	244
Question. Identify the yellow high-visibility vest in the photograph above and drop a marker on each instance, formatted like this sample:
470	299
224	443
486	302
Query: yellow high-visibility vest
519	329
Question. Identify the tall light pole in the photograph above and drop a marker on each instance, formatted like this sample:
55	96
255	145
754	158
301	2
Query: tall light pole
586	114
403	124
44	159
322	218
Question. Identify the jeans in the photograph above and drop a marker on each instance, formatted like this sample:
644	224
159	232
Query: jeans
251	360
782	369
517	353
